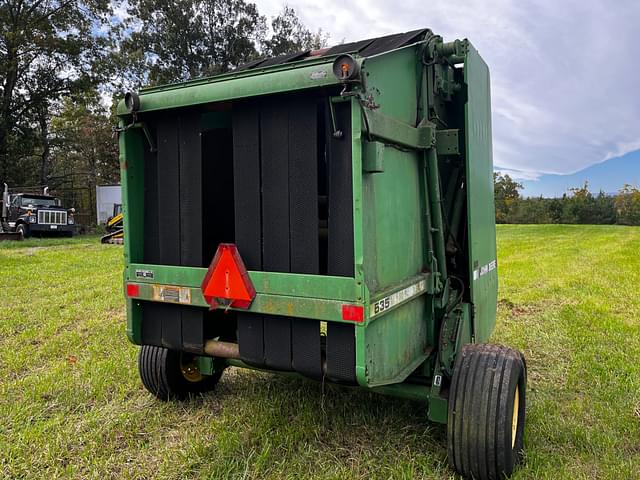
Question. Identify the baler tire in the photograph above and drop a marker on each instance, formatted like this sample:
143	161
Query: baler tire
488	383
161	374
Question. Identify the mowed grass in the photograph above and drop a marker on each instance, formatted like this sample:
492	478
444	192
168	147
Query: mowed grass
72	406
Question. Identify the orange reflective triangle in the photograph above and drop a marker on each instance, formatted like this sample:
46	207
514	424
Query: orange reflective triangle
227	279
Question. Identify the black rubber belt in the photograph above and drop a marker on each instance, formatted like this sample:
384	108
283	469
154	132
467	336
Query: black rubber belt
341	356
169	220
248	219
303	222
274	121
190	180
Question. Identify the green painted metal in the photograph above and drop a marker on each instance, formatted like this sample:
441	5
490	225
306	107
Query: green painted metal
448	142
417	123
388	129
410	391
435	199
269	304
274	283
480	199
132	143
280	79
373	157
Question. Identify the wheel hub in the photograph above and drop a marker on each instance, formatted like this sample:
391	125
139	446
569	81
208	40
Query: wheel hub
190	370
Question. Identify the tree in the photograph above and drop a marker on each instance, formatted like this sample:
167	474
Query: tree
83	147
83	140
627	204
583	208
290	35
166	42
506	191
47	48
184	39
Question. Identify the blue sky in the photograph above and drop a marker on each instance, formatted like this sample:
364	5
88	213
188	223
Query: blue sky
565	75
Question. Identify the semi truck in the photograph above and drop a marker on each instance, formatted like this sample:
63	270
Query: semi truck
26	214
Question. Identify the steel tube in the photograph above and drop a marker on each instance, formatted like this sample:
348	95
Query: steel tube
237	85
435	197
216	348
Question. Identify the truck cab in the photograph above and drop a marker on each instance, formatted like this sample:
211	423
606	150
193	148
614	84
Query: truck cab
33	213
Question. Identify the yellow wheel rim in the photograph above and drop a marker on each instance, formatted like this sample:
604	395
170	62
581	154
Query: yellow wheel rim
514	420
190	370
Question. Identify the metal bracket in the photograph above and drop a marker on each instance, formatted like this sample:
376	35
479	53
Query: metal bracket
145	130
448	340
395	132
448	142
335	133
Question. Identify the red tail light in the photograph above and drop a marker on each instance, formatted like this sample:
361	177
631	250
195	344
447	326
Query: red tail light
353	313
133	290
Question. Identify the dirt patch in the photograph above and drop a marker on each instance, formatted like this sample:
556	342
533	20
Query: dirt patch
517	310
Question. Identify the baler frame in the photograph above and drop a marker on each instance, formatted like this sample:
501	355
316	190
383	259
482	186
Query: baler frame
459	308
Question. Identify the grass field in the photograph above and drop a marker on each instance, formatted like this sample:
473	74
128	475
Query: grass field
71	403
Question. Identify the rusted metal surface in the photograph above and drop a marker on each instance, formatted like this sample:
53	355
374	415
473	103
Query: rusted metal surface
219	349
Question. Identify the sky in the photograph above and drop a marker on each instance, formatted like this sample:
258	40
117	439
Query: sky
565	74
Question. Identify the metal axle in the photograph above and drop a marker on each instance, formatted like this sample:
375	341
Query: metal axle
216	348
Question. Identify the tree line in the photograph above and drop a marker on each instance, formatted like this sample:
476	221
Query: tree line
578	206
65	63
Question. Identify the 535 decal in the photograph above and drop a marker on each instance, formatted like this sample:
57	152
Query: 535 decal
401	296
381	305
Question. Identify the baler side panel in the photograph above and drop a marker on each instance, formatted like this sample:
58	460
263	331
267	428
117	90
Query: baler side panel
132	173
483	272
393	233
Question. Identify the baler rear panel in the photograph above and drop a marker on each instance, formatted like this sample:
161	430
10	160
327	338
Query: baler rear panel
268	175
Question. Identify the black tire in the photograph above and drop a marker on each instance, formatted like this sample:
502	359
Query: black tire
161	371
23	230
482	402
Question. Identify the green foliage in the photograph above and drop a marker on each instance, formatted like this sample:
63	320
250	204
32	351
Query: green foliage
165	42
580	206
506	196
47	51
627	204
60	61
290	35
83	140
184	39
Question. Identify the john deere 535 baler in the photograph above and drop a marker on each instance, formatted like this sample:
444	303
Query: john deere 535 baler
328	213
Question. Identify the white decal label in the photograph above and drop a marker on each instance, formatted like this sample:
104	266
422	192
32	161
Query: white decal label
394	299
318	75
483	270
144	274
172	294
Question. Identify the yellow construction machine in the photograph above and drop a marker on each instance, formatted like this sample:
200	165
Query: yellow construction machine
115	227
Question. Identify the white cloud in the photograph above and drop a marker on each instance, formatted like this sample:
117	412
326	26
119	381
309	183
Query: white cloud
518	174
120	12
564	77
